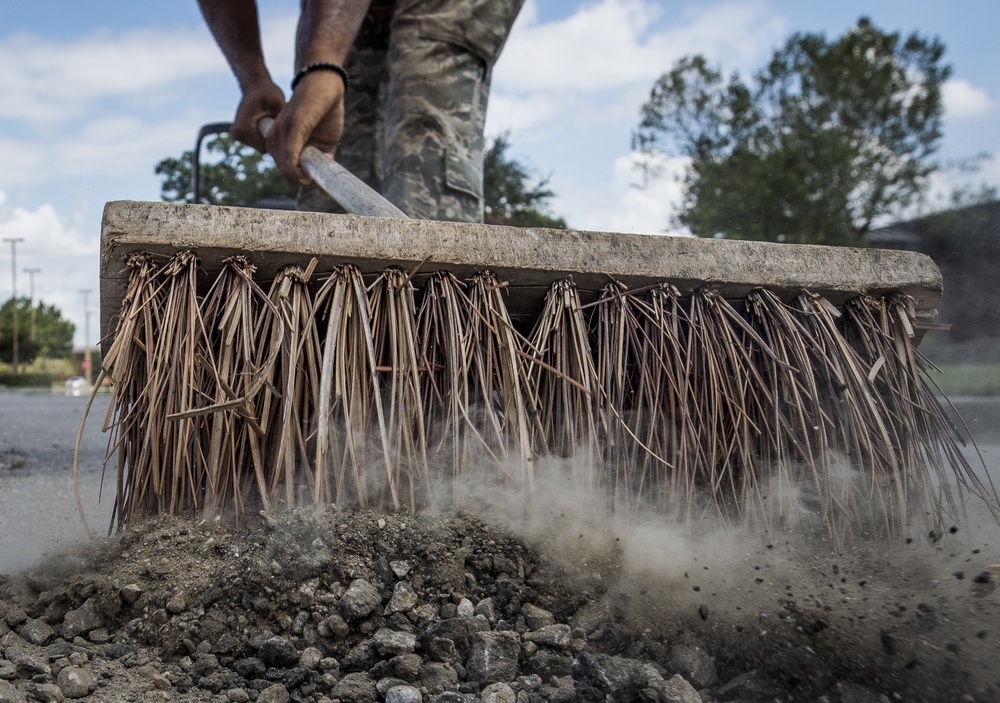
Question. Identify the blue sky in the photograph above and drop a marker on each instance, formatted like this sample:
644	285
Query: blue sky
93	95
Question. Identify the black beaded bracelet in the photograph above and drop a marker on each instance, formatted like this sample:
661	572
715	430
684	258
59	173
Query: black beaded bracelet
323	66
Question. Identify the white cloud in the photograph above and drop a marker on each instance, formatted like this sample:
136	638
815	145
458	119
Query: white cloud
51	81
648	208
115	103
68	259
520	113
963	100
612	43
945	183
121	145
623	203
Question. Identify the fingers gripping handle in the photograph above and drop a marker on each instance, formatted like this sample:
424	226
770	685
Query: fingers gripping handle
348	190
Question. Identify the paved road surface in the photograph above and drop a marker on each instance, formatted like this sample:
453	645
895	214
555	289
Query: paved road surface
38	511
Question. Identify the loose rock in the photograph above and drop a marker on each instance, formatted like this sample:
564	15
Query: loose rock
9	694
536	617
276	693
493	657
310	658
388	641
75	682
277	651
35	632
499	693
266	619
355	688
403	598
551	636
403	694
693	663
359	600
130	593
46	693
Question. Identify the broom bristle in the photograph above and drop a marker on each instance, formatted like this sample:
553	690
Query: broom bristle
381	394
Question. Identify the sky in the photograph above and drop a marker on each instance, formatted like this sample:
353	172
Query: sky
94	95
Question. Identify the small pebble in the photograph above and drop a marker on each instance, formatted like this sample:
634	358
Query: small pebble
403	694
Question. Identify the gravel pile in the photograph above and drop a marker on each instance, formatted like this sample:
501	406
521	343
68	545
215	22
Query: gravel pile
369	607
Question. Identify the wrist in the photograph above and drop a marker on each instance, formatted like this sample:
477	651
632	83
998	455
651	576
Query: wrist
322	66
252	75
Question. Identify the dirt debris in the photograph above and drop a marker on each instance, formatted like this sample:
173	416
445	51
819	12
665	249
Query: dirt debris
360	607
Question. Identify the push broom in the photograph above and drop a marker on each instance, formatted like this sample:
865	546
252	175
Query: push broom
262	359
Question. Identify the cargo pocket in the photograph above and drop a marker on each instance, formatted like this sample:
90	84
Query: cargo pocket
461	175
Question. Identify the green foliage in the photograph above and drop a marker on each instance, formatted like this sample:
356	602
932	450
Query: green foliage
233	174
513	195
968	379
53	333
25	380
827	137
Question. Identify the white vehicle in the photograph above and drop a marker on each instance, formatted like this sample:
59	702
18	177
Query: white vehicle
76	385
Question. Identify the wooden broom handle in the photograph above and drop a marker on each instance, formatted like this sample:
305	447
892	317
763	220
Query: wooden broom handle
348	190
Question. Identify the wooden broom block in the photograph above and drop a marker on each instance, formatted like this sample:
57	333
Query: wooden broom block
528	259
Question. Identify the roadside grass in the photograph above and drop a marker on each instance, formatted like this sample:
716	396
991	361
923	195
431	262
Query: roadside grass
968	379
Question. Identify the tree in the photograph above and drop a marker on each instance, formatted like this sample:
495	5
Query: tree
53	333
241	176
513	195
826	138
235	175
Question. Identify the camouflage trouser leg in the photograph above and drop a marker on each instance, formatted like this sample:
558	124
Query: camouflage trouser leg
435	112
420	74
362	139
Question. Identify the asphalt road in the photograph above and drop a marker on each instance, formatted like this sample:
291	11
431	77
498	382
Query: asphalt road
38	512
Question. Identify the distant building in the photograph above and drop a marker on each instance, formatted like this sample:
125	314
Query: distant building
965	244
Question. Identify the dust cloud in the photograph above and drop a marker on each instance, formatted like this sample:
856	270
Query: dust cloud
915	616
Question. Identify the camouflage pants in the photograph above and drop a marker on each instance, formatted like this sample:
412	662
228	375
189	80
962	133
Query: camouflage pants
420	77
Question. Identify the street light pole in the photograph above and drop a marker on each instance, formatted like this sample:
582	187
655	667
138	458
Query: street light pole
13	295
31	287
86	338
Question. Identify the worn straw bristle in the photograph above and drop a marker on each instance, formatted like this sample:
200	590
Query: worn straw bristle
380	395
127	363
499	386
397	357
154	365
234	375
352	438
443	334
563	380
924	438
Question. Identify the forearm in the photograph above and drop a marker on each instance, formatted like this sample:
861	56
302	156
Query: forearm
327	29
235	27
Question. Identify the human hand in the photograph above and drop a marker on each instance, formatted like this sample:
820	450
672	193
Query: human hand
265	99
314	115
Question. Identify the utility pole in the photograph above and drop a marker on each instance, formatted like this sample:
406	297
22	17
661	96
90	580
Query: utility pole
13	296
86	338
31	287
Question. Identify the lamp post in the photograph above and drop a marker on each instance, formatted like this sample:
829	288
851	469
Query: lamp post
86	338
31	288
13	296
